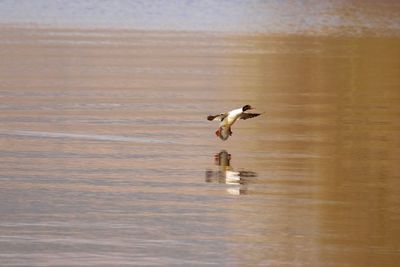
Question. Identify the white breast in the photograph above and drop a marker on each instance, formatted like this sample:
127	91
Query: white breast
233	116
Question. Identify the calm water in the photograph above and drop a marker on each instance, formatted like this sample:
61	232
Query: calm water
107	159
321	17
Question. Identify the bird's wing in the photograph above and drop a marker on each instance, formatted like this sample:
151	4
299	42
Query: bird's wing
218	117
245	116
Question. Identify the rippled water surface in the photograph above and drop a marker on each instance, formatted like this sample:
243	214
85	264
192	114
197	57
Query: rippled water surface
107	158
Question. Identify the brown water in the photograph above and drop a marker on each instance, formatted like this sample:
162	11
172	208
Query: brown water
107	159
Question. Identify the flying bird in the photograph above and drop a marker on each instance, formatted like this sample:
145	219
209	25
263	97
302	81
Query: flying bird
229	118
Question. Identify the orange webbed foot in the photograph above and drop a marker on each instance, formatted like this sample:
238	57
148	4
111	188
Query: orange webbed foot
218	132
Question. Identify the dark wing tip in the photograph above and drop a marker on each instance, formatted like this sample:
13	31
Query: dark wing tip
246	116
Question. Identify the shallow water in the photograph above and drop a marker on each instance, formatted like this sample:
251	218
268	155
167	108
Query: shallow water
107	157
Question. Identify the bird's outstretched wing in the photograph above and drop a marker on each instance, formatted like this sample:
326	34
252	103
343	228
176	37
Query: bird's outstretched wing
246	116
218	117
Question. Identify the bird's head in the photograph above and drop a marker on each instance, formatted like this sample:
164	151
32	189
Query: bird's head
247	107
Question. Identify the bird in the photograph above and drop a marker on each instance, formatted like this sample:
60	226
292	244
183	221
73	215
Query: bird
227	119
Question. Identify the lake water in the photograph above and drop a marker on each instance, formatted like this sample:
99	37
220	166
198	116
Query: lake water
107	158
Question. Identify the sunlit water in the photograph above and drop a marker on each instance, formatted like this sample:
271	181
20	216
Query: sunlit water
107	158
380	18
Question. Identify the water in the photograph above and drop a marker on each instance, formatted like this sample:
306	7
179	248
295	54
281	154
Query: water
257	16
107	157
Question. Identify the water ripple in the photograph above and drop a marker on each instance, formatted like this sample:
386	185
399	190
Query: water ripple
96	137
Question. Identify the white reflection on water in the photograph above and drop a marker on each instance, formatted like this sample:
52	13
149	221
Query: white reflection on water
237	181
96	137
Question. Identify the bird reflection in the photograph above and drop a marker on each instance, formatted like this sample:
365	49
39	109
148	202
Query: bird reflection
237	180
